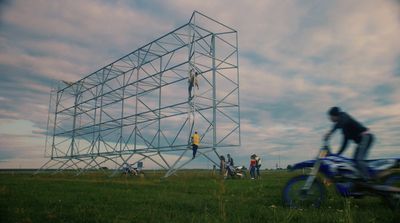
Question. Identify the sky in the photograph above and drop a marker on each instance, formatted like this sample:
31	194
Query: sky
297	59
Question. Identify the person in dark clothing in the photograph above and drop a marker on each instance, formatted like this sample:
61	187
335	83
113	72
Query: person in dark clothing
258	165
192	82
352	130
230	165
222	165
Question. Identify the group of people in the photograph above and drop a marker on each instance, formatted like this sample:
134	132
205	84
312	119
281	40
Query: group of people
226	166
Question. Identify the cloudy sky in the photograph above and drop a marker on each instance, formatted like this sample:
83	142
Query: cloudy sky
297	59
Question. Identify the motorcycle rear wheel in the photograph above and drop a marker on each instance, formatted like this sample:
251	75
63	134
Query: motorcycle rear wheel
393	199
295	197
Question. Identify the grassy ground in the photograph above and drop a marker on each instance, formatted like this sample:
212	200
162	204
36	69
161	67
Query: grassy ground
193	196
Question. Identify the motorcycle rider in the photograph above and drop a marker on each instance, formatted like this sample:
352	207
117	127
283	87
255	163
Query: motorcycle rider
352	130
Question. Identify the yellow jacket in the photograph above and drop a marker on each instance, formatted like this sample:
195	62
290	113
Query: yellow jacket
196	139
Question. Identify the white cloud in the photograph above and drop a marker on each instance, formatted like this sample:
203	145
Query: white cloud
70	40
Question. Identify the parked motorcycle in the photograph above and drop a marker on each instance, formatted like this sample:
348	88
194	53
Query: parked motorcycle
309	191
235	171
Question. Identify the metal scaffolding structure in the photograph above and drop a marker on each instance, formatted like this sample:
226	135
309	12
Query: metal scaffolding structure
138	107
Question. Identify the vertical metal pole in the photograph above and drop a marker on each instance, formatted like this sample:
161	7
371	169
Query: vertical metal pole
192	106
136	101
101	112
74	120
159	107
94	120
53	146
190	66
238	84
214	92
122	114
48	122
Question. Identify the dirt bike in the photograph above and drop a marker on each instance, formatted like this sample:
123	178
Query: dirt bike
309	191
235	171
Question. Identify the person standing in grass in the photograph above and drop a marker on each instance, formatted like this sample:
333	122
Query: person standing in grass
222	165
258	166
230	165
252	168
230	160
195	143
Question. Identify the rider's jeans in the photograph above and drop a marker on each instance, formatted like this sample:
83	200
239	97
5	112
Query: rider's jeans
361	154
253	172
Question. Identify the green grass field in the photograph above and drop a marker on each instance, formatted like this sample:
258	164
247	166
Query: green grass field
192	196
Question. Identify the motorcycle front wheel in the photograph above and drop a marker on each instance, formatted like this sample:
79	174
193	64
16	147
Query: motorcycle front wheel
393	199
295	197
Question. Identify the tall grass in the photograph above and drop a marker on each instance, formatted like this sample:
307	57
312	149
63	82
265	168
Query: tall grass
192	196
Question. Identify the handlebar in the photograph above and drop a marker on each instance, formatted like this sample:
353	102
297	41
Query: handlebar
325	149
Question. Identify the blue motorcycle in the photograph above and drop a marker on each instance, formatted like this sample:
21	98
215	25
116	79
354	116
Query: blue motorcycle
309	190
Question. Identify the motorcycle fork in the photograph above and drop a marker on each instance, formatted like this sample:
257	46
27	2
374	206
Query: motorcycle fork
312	176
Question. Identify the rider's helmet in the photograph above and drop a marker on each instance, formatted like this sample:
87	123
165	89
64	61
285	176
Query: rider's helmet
334	111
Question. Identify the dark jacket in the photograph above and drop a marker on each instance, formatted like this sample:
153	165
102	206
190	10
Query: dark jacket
351	129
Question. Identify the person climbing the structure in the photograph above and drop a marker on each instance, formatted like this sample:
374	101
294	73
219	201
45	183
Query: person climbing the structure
192	81
195	143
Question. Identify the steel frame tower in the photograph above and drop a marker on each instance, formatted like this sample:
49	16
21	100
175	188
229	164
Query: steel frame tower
138	107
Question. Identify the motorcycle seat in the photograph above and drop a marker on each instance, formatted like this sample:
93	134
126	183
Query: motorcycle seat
382	164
